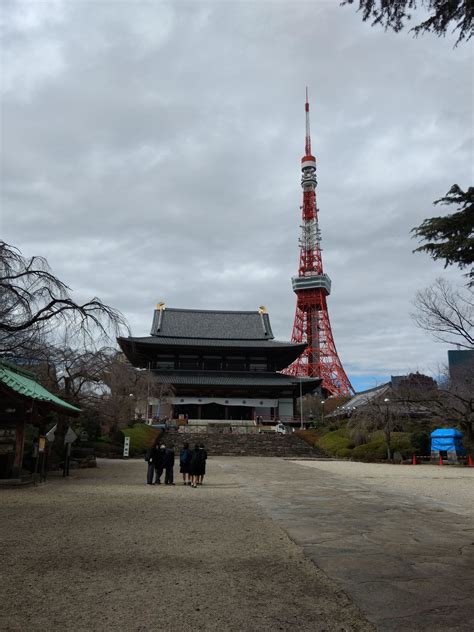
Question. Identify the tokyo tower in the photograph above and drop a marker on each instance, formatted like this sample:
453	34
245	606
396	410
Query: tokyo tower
311	287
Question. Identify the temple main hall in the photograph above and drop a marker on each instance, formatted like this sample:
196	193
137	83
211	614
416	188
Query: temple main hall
221	365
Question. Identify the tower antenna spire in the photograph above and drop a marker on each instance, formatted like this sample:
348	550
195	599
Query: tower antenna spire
307	148
312	287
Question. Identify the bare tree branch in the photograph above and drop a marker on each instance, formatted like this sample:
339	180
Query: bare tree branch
33	303
446	313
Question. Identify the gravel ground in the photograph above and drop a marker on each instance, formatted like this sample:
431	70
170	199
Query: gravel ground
405	558
451	487
104	551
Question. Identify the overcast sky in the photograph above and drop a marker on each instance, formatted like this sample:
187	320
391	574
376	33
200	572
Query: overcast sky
151	151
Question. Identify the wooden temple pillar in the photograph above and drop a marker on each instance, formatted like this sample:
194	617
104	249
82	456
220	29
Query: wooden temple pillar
199	411
226	412
19	448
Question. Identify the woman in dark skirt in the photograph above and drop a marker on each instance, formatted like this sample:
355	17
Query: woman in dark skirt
195	468
203	458
185	463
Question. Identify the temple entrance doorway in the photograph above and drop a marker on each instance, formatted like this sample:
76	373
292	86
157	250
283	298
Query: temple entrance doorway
244	413
212	411
189	411
230	413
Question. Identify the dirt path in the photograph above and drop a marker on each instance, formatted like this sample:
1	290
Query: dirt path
104	551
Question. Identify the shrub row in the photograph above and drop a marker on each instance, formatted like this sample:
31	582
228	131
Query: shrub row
339	444
376	449
336	442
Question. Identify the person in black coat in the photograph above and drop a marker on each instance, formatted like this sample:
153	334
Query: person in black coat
194	466
198	465
151	466
202	463
169	465
159	462
152	457
185	463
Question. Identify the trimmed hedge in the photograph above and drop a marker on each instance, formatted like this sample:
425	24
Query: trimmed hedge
339	444
334	442
344	453
374	451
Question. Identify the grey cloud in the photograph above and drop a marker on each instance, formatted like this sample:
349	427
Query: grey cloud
158	159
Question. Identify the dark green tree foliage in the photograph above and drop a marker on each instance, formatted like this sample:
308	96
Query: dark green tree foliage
442	15
421	442
451	237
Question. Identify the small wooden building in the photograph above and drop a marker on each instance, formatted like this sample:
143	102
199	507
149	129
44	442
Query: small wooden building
23	401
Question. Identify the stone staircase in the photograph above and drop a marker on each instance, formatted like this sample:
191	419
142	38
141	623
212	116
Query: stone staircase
236	444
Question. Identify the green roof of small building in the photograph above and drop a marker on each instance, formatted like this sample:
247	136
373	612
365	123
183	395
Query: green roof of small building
26	384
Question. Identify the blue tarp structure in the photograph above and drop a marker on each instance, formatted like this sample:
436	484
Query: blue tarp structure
447	439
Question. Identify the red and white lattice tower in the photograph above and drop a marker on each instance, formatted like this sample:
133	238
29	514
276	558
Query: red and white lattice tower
312	286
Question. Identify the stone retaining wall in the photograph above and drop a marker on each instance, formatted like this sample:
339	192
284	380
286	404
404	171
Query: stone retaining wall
233	444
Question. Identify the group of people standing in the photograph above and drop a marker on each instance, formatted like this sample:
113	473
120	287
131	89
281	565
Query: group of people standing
192	464
161	458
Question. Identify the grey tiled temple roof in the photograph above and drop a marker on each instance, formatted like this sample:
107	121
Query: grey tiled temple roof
203	342
217	378
211	324
201	331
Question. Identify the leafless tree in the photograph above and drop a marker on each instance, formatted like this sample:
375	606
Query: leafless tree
34	303
459	392
379	414
126	386
315	408
101	382
394	407
446	313
453	401
77	374
448	401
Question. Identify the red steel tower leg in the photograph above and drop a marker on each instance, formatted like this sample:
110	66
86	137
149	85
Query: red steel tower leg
312	286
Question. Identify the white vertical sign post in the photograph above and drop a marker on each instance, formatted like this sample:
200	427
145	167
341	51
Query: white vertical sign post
69	439
126	446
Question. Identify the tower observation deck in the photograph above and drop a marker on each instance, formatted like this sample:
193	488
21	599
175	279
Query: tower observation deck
312	286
